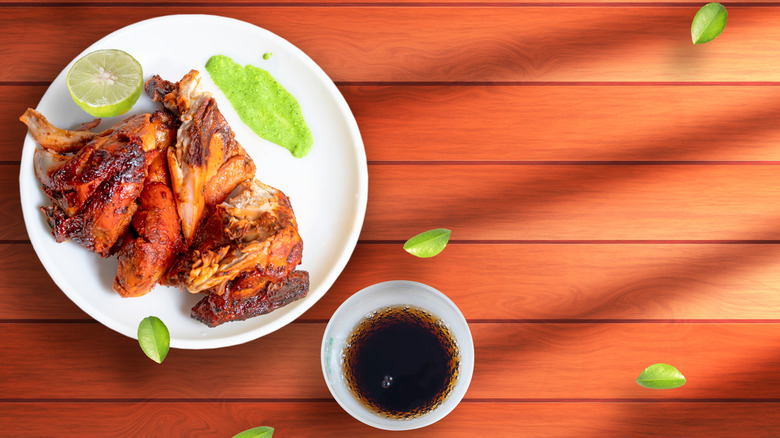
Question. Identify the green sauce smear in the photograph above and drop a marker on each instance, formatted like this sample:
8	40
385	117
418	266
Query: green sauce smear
263	104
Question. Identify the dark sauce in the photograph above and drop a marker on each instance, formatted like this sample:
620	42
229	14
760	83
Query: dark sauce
402	362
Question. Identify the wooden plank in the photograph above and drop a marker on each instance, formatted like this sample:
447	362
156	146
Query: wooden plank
548	202
530	123
14	99
561	202
527	123
11	221
557	281
27	292
554	419
579	281
513	362
493	44
383	3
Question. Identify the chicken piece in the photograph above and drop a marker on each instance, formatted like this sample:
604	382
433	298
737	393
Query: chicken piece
145	258
46	164
158	89
249	295
104	219
207	162
53	138
70	180
228	177
254	230
86	126
93	192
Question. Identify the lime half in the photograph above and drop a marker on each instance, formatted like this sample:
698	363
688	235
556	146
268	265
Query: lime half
105	83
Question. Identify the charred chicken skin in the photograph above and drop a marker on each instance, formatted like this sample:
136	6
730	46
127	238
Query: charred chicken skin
254	230
207	162
155	235
249	295
93	192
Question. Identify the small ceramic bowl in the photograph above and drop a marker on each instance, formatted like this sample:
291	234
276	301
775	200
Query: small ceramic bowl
375	297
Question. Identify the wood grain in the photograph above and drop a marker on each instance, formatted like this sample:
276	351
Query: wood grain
548	123
11	221
14	99
557	281
382	3
534	123
560	202
549	420
579	281
549	202
475	44
27	292
513	362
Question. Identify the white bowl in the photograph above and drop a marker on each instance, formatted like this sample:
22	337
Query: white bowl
375	297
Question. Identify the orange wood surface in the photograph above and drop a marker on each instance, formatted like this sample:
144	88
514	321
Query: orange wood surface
534	123
551	202
342	3
558	281
557	419
612	191
496	44
563	420
574	202
534	361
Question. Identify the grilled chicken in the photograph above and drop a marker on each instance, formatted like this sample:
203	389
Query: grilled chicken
145	258
254	230
249	295
93	192
207	162
55	139
159	184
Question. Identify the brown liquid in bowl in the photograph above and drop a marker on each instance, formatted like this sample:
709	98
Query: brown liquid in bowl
402	362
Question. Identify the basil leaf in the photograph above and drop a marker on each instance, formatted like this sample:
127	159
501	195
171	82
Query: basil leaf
154	338
661	376
429	243
256	432
708	23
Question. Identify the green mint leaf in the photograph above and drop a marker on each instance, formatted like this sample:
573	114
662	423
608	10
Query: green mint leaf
154	338
429	243
661	376
708	23
256	432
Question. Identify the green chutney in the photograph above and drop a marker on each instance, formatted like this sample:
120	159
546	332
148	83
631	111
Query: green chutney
263	104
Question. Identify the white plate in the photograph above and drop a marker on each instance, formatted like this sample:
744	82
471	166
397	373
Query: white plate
328	188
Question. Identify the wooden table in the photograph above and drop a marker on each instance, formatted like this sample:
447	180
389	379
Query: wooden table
612	191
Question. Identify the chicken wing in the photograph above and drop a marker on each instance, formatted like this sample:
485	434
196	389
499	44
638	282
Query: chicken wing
207	162
93	192
53	138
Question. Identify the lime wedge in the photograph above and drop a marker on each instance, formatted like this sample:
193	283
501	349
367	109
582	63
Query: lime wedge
105	83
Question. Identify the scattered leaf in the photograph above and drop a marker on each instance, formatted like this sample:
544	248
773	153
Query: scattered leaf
154	338
256	432
661	376
429	243
708	23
